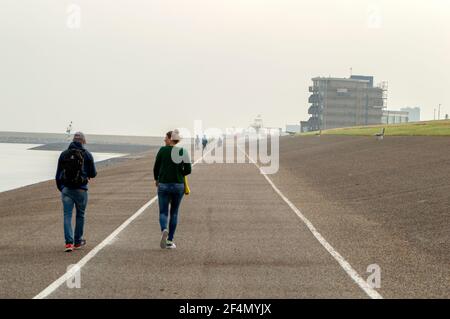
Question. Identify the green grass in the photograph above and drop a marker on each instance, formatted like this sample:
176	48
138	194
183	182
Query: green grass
426	128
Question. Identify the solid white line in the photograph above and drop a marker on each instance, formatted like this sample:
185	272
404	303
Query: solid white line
58	282
372	293
108	240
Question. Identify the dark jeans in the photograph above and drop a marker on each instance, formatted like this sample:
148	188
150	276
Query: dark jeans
169	193
71	198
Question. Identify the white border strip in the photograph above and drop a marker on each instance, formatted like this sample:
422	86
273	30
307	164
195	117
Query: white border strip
108	240
372	293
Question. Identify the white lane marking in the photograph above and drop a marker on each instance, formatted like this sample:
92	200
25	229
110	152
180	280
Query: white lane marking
372	293
108	240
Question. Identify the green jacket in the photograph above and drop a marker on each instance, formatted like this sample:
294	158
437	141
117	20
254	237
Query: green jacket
166	170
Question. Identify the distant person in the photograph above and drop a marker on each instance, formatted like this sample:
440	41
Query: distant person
197	142
75	168
169	179
204	142
219	142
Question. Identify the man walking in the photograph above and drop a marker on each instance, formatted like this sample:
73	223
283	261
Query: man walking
204	143
75	168
197	142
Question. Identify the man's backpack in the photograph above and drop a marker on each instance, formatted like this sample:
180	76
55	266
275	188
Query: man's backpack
72	168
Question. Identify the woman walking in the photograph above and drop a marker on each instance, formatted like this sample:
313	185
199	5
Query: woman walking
172	164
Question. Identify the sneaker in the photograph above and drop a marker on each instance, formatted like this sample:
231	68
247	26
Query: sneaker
164	235
80	245
170	245
68	248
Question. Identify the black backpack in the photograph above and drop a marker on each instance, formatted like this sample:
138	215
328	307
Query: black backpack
72	168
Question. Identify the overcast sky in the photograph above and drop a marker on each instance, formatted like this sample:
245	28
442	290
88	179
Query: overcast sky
142	67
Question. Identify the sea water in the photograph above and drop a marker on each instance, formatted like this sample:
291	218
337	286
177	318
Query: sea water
20	166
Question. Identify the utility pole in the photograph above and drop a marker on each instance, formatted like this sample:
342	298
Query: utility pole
439	112
366	115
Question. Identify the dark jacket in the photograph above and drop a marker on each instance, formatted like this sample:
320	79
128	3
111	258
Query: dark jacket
89	170
166	170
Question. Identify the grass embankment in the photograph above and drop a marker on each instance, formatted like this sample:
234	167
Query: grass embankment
426	128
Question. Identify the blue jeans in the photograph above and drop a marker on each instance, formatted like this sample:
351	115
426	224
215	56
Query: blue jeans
71	198
169	193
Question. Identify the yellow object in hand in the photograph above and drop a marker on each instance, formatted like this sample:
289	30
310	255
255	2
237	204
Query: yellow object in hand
187	190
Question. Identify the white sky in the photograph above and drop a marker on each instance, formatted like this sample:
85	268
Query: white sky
144	66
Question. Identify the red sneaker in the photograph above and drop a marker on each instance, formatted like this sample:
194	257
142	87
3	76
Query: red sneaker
81	244
68	248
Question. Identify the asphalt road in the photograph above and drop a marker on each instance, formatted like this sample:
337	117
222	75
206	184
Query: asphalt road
237	238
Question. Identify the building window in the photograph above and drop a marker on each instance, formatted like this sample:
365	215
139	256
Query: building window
342	92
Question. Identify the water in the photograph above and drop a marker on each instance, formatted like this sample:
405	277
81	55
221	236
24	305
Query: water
20	166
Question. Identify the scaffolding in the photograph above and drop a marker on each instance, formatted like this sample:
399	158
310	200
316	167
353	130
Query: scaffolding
384	86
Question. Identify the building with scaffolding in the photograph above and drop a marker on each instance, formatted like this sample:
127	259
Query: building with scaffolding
344	102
